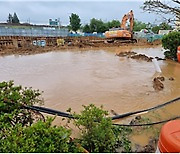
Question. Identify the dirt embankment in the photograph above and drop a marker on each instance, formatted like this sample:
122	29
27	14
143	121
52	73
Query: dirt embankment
72	43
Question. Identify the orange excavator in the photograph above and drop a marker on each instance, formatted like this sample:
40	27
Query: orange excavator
122	33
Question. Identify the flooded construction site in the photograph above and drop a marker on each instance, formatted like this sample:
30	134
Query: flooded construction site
72	78
76	78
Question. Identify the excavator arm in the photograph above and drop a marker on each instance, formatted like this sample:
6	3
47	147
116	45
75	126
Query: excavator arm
127	16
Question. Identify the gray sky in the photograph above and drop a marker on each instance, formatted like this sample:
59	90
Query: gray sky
40	11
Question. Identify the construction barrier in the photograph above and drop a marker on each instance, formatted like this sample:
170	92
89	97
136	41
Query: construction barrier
169	138
178	54
40	43
60	42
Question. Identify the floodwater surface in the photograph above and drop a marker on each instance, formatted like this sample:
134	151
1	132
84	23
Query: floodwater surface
70	79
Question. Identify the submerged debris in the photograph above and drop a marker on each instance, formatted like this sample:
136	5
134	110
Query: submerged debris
171	79
158	58
157	84
149	148
134	55
142	57
161	78
124	54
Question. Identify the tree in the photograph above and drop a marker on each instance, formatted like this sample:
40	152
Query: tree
10	18
15	18
75	22
162	26
138	25
113	23
86	29
164	7
98	26
170	42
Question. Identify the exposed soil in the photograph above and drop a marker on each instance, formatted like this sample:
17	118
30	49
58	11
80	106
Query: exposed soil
157	84
142	57
152	144
134	55
73	43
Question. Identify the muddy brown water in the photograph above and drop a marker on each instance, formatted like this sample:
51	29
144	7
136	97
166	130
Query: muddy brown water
70	79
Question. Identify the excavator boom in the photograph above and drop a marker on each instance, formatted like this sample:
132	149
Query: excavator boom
129	16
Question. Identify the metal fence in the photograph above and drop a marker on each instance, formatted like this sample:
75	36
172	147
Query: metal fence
33	32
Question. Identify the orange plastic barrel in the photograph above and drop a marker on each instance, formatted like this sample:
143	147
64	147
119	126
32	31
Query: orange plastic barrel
169	140
178	54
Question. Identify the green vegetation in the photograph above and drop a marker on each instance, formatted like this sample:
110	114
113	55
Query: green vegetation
170	42
96	131
97	26
12	98
13	19
98	134
138	25
74	22
162	26
39	137
24	130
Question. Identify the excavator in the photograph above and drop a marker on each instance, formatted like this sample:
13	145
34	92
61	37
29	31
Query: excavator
122	33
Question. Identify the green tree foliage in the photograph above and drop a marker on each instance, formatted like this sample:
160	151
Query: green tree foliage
18	130
138	25
170	42
13	19
162	26
97	26
12	100
86	29
97	132
75	22
113	23
10	18
156	29
40	137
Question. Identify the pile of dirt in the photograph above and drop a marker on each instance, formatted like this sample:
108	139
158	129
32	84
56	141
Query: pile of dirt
142	57
135	55
126	54
157	84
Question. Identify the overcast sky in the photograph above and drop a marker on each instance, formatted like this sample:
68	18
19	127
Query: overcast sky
39	12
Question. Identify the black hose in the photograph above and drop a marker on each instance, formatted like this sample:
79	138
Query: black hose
49	111
148	124
140	111
67	115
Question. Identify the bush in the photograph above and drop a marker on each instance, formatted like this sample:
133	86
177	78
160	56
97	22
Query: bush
19	132
97	132
40	137
19	129
171	41
12	100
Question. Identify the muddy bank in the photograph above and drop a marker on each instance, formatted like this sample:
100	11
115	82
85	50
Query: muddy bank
73	43
134	55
